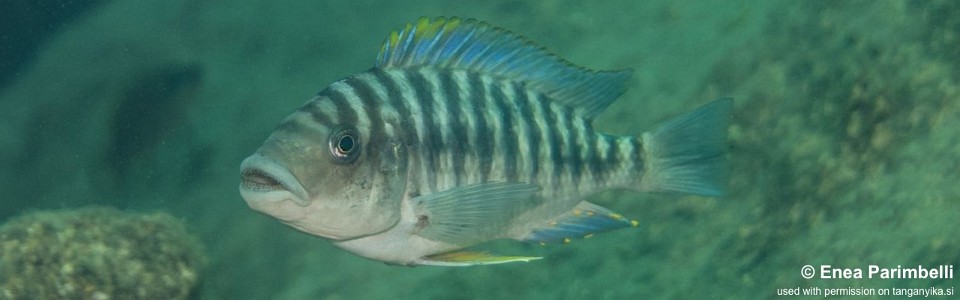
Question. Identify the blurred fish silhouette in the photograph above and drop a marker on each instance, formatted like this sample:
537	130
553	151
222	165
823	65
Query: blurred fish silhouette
463	133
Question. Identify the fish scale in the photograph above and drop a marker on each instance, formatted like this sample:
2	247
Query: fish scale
563	146
464	133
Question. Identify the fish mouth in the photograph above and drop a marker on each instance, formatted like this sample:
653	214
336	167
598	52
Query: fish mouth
262	178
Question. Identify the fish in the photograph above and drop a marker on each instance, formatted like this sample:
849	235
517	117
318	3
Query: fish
464	133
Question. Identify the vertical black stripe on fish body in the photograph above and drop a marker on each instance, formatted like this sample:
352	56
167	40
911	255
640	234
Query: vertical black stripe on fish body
432	141
483	147
441	122
346	113
555	146
570	144
474	124
589	148
611	156
458	140
369	99
598	166
603	161
313	109
540	120
532	131
511	146
406	129
637	155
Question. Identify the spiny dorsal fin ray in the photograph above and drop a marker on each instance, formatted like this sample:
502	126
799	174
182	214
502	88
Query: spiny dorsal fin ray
477	46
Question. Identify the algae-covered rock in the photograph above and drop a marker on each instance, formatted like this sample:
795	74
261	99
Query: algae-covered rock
97	253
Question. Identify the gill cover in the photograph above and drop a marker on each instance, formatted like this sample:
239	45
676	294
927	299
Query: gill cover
367	202
382	210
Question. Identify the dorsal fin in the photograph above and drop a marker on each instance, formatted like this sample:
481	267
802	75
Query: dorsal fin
477	46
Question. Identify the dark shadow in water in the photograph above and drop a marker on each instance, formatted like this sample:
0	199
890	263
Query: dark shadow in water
152	110
26	24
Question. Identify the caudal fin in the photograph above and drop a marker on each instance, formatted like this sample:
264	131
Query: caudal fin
686	154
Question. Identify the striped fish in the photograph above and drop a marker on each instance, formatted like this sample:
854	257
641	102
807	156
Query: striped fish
464	133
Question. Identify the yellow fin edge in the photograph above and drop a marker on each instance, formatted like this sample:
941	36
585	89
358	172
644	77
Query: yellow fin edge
467	258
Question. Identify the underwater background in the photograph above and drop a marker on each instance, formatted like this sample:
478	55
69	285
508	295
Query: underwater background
844	145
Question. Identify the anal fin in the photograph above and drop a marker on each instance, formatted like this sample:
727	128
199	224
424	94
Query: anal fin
582	222
467	258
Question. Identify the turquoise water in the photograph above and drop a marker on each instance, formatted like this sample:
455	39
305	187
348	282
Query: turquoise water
844	143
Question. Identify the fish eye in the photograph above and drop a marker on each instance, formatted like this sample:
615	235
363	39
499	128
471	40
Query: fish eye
344	144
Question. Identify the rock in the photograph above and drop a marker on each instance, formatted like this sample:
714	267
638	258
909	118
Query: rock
97	253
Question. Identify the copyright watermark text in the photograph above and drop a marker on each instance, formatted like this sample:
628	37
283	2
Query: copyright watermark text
874	271
936	274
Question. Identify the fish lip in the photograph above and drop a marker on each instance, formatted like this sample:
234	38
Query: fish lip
258	172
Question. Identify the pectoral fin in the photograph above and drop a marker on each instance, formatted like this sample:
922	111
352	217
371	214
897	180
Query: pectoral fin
471	214
466	258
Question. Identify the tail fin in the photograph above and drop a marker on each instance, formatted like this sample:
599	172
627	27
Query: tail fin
686	154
